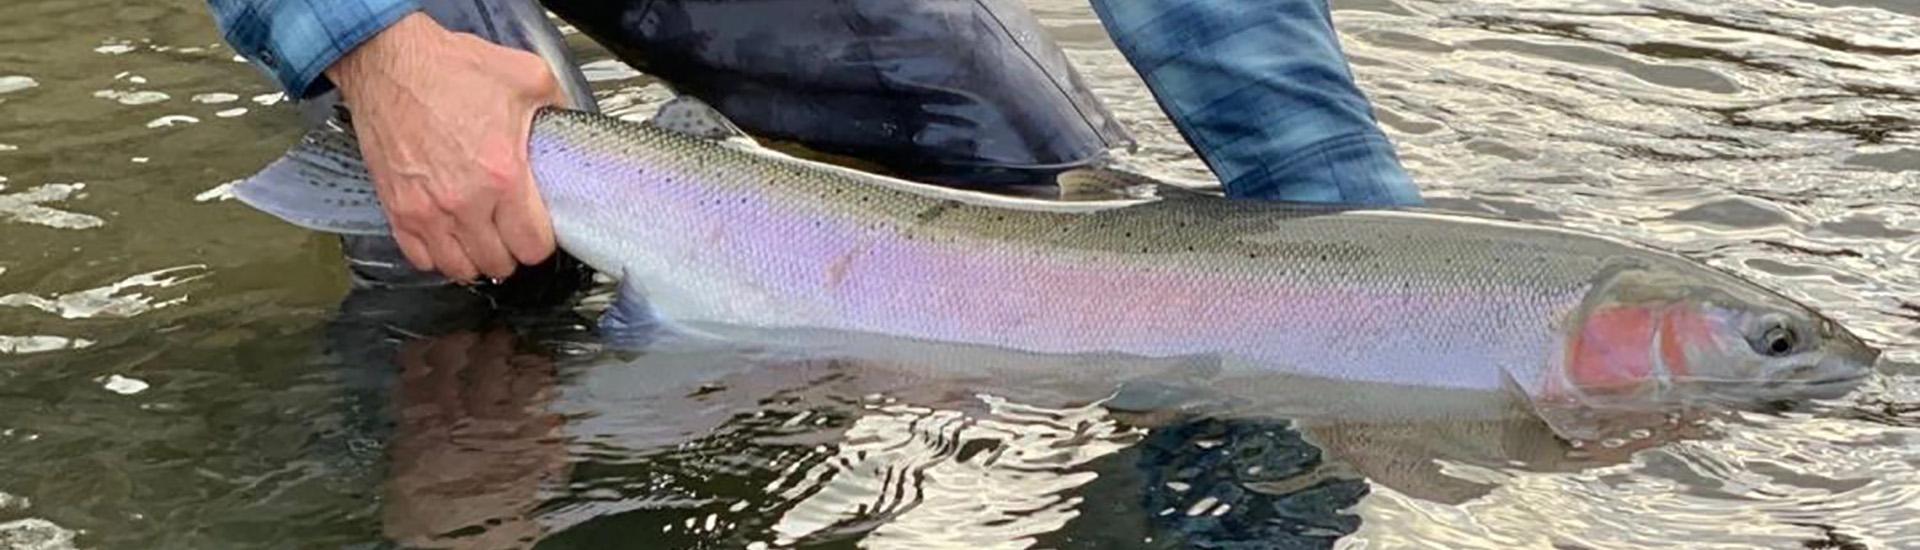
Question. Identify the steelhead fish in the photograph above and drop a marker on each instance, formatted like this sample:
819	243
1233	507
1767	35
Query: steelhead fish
719	233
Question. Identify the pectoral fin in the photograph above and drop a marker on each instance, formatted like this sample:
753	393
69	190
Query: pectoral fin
630	322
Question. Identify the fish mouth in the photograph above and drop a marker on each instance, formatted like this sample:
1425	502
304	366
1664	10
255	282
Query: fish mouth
1832	387
1850	378
1830	379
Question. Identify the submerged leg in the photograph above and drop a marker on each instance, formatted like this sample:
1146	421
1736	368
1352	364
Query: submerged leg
1261	89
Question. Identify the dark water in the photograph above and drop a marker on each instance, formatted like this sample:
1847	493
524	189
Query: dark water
178	372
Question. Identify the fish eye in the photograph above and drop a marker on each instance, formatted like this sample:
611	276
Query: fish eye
1778	340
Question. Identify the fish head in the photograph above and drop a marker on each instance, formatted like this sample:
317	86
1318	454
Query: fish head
1660	336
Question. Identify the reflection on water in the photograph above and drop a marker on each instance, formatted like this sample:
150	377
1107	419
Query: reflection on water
802	453
178	372
921	477
473	445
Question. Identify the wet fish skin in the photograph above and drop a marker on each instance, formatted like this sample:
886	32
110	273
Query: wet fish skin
722	235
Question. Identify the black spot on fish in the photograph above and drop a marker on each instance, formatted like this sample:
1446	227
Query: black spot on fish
935	211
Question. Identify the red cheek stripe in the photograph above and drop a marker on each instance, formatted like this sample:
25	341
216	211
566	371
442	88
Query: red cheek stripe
1680	326
1610	354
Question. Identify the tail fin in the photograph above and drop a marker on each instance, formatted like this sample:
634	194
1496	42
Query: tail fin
321	184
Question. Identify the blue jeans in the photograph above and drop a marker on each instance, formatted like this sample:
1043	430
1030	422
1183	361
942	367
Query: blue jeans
1262	91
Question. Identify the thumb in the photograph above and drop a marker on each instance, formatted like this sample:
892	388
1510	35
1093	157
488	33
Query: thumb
522	217
541	81
557	96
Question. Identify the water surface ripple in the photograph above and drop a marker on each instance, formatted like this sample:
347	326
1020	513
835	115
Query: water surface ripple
179	372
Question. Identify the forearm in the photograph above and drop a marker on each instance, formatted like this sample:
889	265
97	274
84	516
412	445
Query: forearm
297	41
384	61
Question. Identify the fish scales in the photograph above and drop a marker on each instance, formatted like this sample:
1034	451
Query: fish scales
740	236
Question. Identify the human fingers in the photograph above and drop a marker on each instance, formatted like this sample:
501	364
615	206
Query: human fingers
521	215
525	226
480	239
414	249
450	257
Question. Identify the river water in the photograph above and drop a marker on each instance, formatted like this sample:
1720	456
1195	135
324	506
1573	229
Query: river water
177	371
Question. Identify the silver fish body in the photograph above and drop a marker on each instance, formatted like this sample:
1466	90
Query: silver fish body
720	234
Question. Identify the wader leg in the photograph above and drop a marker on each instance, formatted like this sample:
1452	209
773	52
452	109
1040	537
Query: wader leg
1262	91
958	92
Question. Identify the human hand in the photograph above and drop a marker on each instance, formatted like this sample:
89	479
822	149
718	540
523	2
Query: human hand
443	119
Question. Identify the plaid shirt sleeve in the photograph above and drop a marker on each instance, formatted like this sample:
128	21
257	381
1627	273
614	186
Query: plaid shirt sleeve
296	40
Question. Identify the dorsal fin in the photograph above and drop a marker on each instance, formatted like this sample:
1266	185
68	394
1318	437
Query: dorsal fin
1096	183
688	115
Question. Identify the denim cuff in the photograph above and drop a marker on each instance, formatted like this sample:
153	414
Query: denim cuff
1262	91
